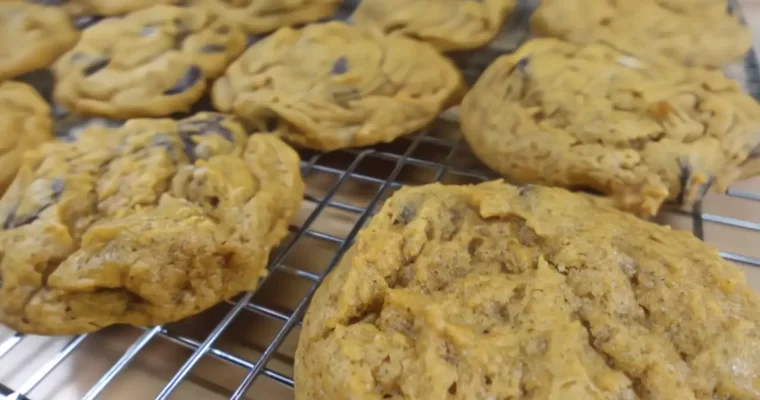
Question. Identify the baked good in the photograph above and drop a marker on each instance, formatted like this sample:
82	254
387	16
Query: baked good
708	38
592	117
144	224
260	16
447	24
25	123
332	85
502	292
150	63
111	7
32	37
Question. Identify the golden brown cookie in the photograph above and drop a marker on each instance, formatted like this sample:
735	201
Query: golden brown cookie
144	224
151	63
330	86
642	27
593	117
25	123
260	16
447	24
499	292
32	37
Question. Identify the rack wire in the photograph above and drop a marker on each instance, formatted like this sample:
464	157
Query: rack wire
437	154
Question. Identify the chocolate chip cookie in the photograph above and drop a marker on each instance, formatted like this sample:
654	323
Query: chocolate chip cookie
151	63
260	16
144	224
502	292
592	117
332	85
711	38
448	24
32	36
25	123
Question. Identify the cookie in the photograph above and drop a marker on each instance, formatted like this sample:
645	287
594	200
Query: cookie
448	25
502	292
144	224
592	117
25	123
641	27
260	16
110	7
330	86
32	37
150	63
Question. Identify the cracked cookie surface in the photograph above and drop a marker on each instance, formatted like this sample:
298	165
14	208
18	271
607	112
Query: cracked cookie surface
642	27
144	224
150	63
448	25
25	123
330	86
502	292
32	36
261	16
590	117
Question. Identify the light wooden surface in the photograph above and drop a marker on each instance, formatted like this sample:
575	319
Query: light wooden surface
213	379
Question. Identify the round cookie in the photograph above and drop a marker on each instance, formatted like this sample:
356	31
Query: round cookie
32	37
641	27
151	63
330	86
448	25
25	123
260	16
499	292
591	117
144	224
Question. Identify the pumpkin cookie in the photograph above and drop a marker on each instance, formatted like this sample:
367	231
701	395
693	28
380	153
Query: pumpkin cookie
32	37
593	117
25	123
448	24
260	16
499	292
144	224
709	38
329	86
151	63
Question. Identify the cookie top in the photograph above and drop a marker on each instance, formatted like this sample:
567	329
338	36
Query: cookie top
260	16
32	37
25	123
447	24
710	38
332	85
143	224
499	292
591	117
151	63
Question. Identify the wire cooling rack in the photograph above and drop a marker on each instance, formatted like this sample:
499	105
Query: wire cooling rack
344	189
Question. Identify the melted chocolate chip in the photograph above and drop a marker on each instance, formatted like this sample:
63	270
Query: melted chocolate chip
253	38
191	77
406	216
522	65
213	48
96	66
15	221
340	66
684	176
222	29
83	22
208	126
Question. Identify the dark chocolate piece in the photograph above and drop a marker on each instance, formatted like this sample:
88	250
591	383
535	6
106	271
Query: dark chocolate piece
340	66
96	66
191	77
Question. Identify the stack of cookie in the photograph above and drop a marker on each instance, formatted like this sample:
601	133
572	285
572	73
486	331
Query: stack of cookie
452	292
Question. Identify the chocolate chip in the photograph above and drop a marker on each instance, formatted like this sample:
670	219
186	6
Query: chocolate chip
523	190
15	221
522	65
50	2
253	38
57	187
684	175
83	22
213	48
202	127
754	154
406	216
340	66
222	29
191	77
96	66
